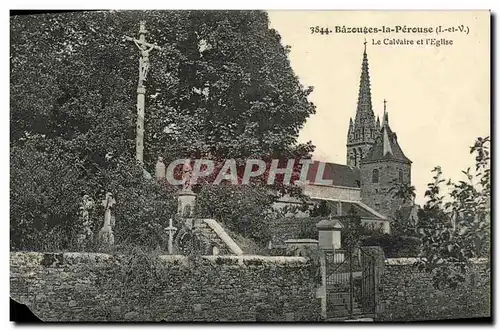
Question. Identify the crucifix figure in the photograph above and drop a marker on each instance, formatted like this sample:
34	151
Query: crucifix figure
187	175
171	231
144	49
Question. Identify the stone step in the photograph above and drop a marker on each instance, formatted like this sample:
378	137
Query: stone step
343	313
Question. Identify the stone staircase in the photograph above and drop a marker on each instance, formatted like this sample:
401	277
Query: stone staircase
213	234
338	305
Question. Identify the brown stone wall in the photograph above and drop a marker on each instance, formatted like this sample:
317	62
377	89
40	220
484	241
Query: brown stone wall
407	294
98	287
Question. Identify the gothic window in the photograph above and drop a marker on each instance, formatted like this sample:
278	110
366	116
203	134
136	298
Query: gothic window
375	176
400	175
355	157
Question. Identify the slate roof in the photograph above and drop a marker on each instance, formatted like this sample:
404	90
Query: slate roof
341	175
360	209
386	147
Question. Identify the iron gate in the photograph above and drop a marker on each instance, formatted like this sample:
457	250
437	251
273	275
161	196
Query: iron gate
350	282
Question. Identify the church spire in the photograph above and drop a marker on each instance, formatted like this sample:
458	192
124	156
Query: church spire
385	120
364	127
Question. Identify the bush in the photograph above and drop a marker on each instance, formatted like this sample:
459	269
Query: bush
46	189
44	198
394	246
241	208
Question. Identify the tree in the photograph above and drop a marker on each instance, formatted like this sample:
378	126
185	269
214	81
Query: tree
403	191
242	208
321	209
456	227
352	230
221	86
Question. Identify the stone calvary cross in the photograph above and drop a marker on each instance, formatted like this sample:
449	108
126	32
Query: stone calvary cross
144	49
171	231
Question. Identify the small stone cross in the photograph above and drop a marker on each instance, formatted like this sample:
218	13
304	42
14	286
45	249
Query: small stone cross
171	231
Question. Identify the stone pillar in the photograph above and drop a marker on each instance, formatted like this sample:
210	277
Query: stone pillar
329	234
321	293
139	140
186	202
329	238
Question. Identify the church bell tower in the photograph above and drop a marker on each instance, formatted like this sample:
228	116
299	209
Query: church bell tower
364	130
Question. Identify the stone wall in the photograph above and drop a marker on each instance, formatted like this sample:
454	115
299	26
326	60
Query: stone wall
407	294
376	195
101	287
333	192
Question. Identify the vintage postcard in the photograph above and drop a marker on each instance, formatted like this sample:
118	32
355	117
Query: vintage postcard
250	166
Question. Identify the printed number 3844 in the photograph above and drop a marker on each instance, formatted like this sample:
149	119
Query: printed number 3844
317	29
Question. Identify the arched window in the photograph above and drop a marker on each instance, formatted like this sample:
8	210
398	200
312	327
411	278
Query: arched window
355	157
375	176
400	175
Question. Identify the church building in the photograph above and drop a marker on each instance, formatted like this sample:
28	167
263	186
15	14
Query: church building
375	162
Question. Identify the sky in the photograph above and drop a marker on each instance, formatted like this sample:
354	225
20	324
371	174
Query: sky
438	98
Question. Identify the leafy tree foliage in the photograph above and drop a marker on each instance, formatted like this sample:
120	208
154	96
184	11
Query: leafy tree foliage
320	209
403	191
457	227
353	228
394	245
221	86
242	208
222	83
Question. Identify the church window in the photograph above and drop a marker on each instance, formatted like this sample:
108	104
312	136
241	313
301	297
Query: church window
400	175
375	176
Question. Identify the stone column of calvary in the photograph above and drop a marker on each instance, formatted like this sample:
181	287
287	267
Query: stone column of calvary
144	49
